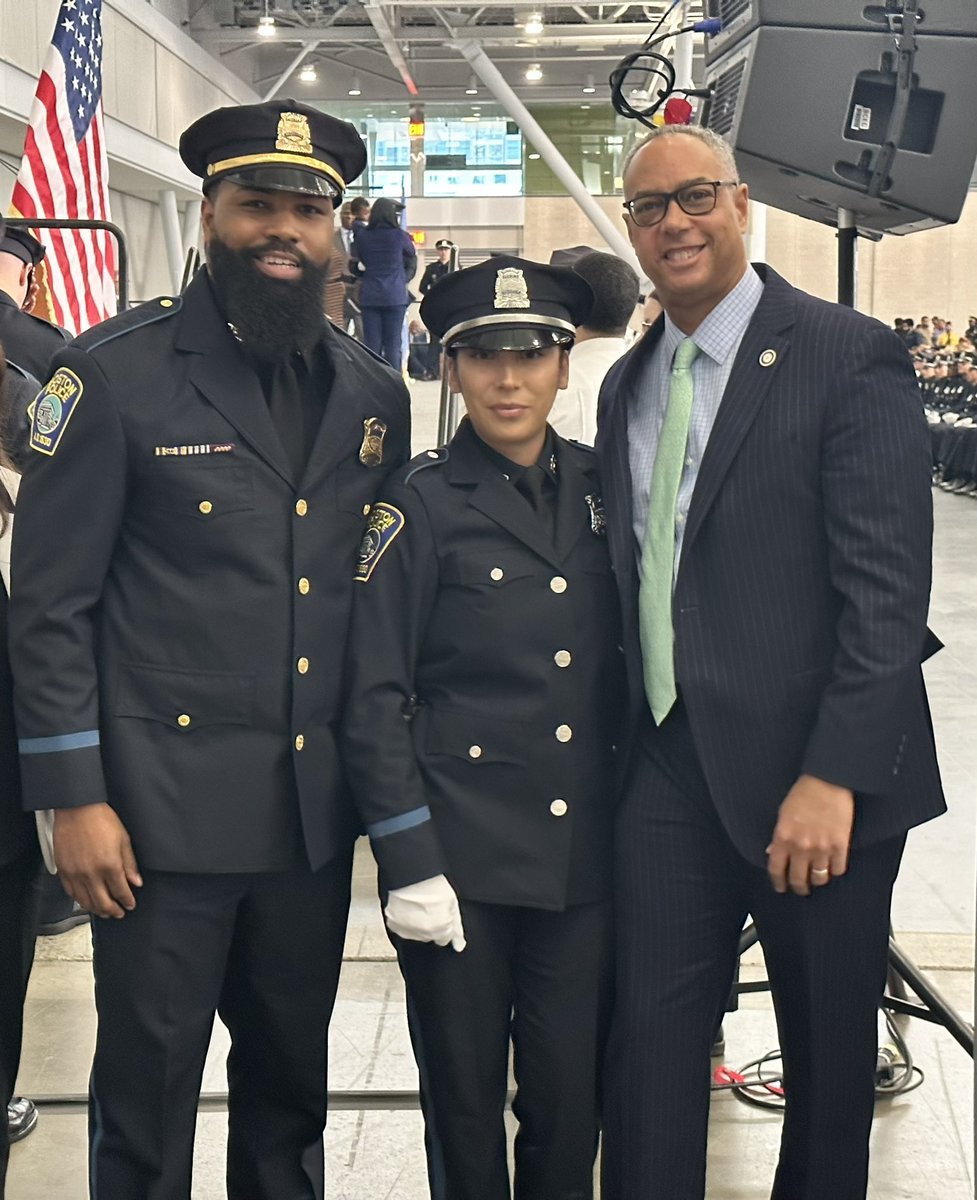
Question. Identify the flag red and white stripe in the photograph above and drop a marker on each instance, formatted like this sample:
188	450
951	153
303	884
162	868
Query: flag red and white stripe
64	172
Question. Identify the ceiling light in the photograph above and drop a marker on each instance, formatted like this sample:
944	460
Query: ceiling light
355	87
308	74
588	88
585	106
533	73
266	26
534	157
534	24
472	89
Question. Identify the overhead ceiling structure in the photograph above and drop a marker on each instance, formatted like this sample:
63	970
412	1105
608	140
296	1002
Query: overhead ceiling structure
423	51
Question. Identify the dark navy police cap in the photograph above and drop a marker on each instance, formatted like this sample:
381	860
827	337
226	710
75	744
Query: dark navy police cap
443	244
285	146
507	303
21	244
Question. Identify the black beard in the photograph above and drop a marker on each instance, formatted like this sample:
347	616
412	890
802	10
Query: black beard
272	317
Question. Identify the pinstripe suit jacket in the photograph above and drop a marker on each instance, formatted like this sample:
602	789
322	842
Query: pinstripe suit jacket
803	585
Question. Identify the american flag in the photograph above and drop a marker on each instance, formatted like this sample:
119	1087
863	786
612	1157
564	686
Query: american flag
64	172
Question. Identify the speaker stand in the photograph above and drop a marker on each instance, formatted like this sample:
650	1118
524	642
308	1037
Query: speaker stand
847	257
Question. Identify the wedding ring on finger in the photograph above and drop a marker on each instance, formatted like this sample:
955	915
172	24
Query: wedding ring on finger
821	872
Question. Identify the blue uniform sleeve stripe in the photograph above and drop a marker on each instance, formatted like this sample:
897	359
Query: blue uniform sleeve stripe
58	743
399	823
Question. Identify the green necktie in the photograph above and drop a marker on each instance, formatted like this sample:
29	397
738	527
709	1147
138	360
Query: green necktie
658	551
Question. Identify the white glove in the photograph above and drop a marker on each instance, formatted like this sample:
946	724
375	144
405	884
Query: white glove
426	912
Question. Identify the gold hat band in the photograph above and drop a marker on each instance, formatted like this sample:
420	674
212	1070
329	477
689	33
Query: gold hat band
513	318
268	160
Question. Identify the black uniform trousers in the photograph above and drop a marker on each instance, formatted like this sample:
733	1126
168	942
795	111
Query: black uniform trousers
683	893
543	979
18	920
263	950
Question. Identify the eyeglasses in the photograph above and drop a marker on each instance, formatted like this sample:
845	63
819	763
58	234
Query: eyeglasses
697	200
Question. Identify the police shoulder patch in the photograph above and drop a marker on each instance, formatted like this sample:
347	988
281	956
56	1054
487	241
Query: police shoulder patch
384	524
53	409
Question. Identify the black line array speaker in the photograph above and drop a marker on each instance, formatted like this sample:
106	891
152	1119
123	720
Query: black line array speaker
823	119
741	17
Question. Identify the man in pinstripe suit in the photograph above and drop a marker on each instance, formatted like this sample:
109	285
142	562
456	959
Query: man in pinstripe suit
794	748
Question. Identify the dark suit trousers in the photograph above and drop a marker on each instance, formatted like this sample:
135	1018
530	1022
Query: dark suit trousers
264	950
18	917
683	893
542	978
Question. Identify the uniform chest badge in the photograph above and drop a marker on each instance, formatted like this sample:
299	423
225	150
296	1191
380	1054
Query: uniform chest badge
598	522
53	409
383	526
371	448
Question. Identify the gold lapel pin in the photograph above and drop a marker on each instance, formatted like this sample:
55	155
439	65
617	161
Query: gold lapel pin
768	358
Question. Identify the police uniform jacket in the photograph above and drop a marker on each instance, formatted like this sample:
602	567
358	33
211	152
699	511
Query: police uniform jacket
181	601
16	827
27	340
484	666
432	273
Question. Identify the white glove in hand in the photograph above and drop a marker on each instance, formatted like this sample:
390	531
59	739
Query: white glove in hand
426	912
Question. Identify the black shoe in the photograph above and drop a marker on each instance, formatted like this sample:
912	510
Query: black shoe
68	917
21	1118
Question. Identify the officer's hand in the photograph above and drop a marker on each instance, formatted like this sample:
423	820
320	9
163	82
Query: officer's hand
426	912
95	860
811	839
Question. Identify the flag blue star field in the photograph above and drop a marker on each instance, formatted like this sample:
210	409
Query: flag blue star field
64	172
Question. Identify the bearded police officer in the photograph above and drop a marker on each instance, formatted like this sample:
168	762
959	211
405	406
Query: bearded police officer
184	555
484	669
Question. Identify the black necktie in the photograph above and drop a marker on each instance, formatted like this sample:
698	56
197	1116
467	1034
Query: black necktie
285	407
534	485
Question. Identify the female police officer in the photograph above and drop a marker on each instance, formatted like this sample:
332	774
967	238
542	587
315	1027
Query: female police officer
483	705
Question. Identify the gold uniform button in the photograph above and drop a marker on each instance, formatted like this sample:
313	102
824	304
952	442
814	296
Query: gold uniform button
301	507
205	507
559	808
563	733
474	751
563	658
558	584
302	665
304	586
166	303
299	741
366	509
183	720
496	573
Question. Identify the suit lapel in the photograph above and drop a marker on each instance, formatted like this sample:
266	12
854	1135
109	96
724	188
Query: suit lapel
222	375
758	363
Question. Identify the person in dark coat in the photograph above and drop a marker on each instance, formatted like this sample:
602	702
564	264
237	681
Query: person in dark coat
19	862
385	259
479	732
28	341
767	477
185	543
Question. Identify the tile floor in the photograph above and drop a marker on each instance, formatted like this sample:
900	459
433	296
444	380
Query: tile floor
923	1142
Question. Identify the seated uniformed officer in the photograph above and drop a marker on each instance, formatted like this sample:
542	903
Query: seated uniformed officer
184	550
484	684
